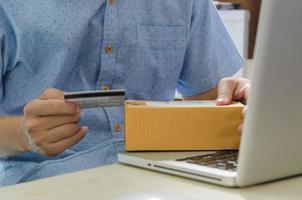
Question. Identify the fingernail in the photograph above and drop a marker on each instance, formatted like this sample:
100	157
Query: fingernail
221	100
85	128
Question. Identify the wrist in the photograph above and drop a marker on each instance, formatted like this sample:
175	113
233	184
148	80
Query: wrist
22	145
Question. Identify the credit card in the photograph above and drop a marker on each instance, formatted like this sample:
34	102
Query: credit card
98	98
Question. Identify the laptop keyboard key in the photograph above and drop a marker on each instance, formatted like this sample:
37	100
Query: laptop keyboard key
224	160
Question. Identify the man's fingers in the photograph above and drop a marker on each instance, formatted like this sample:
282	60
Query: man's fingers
50	122
62	132
242	89
240	128
244	111
52	93
58	147
246	92
50	107
232	89
226	88
44	138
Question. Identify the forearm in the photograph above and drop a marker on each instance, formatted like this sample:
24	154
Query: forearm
10	137
209	95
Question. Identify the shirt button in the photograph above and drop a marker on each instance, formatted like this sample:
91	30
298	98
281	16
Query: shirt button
106	87
118	127
111	2
109	49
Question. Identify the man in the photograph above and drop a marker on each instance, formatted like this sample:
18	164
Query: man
148	47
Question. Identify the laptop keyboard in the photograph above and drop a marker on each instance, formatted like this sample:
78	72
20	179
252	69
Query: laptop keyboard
225	160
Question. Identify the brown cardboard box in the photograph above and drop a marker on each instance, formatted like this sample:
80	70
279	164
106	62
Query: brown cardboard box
183	125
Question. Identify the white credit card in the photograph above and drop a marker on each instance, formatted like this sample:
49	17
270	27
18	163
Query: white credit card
98	98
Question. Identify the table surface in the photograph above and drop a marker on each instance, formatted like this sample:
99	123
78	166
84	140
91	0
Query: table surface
121	182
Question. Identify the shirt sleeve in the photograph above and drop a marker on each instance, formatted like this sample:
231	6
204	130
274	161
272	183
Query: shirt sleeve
211	54
6	49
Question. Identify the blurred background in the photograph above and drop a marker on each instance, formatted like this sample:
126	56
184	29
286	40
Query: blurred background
253	7
241	19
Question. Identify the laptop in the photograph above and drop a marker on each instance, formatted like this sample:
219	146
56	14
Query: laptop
271	142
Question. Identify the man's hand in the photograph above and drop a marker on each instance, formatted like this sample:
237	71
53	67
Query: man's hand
49	125
233	89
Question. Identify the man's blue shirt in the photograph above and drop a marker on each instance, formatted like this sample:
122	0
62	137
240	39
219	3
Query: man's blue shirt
150	48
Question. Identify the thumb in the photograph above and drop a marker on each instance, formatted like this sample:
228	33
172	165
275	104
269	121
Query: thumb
226	88
52	93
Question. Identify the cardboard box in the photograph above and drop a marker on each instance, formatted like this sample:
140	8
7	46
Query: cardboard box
181	125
